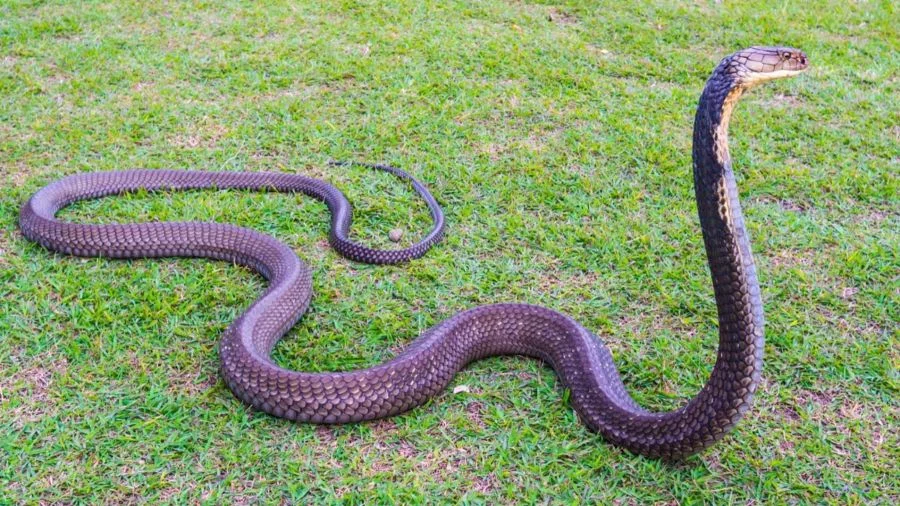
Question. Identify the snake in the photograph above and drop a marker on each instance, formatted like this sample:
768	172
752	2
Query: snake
583	364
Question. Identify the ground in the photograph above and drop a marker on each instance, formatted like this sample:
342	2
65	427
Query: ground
557	138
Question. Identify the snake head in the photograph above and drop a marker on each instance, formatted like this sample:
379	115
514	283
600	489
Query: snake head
755	65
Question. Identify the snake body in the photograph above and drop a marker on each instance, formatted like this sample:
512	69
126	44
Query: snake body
425	368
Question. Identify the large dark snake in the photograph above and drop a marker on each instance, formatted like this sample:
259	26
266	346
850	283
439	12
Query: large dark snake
582	362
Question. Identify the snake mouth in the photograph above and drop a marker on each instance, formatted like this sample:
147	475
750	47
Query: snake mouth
777	74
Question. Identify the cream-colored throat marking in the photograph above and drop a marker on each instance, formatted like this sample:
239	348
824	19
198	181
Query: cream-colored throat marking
721	149
721	137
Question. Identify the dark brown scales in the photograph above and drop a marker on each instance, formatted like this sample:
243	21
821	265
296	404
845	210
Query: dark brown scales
583	363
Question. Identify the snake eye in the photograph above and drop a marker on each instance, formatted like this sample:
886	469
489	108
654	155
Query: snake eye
786	55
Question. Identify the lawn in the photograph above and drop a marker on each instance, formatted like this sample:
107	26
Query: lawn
556	137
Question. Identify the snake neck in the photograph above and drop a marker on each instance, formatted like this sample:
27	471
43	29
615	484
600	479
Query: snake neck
736	374
729	391
727	395
719	209
710	149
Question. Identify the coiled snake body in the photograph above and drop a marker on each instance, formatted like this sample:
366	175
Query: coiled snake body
582	362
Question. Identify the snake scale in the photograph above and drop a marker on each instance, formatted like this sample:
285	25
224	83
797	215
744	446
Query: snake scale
581	360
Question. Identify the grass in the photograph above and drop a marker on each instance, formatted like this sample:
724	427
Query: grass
557	138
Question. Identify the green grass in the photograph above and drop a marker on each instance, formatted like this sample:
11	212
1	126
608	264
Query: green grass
556	137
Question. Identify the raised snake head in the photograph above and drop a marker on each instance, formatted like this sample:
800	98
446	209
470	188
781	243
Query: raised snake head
755	65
